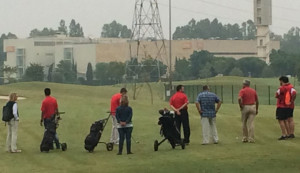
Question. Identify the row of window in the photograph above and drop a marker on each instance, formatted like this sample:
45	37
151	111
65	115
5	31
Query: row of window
21	58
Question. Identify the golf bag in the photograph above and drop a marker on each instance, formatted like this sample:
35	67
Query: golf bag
92	139
168	130
49	135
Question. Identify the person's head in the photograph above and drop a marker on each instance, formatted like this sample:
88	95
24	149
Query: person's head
13	97
124	100
205	88
283	80
123	91
179	88
47	91
246	83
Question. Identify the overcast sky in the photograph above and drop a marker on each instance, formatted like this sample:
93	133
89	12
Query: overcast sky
21	16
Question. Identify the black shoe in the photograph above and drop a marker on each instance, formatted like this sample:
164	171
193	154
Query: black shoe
291	136
129	153
119	153
282	138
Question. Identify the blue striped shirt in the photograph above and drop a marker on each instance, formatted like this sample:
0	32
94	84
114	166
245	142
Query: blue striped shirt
207	102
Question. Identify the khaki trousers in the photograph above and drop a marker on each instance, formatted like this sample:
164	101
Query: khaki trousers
248	115
11	140
209	129
114	138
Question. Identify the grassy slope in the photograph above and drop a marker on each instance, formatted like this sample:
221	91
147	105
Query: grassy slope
85	104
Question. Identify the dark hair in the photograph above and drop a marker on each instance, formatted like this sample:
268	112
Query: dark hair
124	101
123	90
205	87
179	87
47	91
284	79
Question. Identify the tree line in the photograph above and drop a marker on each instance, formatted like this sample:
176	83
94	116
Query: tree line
203	64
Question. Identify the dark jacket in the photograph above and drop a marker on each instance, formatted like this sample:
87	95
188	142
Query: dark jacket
124	114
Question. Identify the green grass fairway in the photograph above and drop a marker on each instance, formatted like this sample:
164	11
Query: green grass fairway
84	105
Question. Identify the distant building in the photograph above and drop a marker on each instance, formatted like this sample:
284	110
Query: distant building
51	50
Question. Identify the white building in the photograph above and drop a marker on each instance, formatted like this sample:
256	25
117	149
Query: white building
51	50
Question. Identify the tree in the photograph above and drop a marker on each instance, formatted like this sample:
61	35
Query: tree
50	73
89	74
75	30
43	32
236	72
9	71
251	66
3	54
67	71
101	72
62	27
35	72
115	30
198	61
215	30
291	41
182	69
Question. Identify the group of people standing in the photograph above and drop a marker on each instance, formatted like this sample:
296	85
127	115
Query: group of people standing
49	109
208	105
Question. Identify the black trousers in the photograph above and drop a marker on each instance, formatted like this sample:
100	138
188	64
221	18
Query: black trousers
125	133
183	119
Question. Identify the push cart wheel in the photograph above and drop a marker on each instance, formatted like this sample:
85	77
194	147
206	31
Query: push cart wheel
64	146
182	144
155	145
109	146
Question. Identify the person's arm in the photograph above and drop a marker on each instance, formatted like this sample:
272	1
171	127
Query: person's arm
15	112
218	106
198	107
129	116
240	100
41	122
257	104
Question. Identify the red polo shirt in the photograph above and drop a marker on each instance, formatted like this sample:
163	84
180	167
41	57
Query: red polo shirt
114	103
280	95
49	106
248	95
178	99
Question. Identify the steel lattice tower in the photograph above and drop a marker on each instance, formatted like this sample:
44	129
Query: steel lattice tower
147	40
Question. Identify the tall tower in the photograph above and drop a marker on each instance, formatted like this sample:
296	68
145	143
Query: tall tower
146	42
262	20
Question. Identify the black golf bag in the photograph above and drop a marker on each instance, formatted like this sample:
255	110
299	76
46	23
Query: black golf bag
93	138
49	135
168	130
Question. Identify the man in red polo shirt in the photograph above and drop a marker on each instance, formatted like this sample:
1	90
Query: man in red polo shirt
178	103
248	102
284	111
114	104
49	110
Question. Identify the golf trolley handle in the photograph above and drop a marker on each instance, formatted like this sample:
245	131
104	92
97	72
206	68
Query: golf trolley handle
61	113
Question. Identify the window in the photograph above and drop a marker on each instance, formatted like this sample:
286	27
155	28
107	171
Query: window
261	42
258	3
259	20
68	54
20	62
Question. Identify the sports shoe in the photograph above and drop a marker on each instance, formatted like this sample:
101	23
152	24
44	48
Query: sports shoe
129	153
291	136
16	151
119	153
282	138
245	140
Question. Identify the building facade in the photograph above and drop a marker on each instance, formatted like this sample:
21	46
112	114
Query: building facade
81	51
